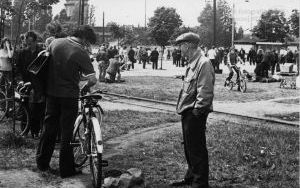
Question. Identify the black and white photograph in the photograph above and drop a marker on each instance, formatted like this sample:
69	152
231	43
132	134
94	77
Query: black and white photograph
149	93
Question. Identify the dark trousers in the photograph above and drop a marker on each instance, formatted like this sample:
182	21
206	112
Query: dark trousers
60	114
154	64
144	63
36	112
232	73
193	128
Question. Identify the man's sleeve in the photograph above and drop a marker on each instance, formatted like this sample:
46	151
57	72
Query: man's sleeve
85	64
205	88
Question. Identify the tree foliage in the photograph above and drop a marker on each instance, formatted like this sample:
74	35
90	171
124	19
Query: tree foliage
294	23
272	26
223	24
163	25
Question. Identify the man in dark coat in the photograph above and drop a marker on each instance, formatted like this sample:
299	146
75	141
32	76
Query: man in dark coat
154	58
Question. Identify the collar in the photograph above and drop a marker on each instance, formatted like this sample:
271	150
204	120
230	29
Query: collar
75	41
193	62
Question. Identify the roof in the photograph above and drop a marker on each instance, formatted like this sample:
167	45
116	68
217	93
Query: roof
249	40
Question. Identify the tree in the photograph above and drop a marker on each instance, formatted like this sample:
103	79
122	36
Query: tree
117	31
91	18
224	24
294	23
272	26
163	25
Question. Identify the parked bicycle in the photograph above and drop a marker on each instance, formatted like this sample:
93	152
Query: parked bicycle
87	136
20	111
240	82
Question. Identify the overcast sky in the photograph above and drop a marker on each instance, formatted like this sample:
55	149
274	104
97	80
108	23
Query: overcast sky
132	12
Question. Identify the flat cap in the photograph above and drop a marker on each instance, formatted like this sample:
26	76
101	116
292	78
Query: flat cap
188	37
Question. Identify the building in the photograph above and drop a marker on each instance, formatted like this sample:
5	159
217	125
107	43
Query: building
72	8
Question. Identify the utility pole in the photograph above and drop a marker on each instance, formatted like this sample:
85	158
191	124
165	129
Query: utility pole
79	12
82	12
215	24
233	26
145	14
103	30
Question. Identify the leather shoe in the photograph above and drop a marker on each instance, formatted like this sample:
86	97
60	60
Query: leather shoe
181	183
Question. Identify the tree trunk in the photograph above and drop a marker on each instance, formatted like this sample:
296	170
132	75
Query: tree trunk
161	58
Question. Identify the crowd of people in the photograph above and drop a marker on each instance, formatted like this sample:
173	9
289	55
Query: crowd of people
112	60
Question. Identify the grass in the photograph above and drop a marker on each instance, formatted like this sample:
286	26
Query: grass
167	89
238	154
118	123
288	116
17	152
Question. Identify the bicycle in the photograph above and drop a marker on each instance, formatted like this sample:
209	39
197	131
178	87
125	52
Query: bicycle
5	84
21	111
241	81
87	139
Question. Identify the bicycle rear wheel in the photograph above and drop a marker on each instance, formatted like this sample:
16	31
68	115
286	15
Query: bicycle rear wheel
3	105
21	118
79	142
96	155
243	85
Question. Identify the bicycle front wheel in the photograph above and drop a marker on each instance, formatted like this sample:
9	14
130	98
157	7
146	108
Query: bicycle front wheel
96	149
3	105
21	118
243	86
79	142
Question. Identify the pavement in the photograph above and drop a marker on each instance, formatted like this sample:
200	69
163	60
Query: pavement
256	109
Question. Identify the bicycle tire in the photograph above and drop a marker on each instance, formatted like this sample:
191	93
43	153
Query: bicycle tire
3	105
5	85
21	118
243	85
95	150
79	142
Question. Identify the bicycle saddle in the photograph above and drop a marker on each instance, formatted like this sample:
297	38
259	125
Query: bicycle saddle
91	96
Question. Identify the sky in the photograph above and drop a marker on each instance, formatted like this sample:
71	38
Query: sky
132	12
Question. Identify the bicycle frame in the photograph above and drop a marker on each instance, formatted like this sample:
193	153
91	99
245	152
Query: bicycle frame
89	116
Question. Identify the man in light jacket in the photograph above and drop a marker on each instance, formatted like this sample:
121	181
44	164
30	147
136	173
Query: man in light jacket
194	104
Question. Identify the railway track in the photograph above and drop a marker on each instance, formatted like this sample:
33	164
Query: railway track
169	107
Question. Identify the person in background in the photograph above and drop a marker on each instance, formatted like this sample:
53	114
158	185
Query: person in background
154	58
178	57
69	60
212	56
251	57
233	60
274	61
194	104
36	101
113	70
174	53
6	53
289	57
242	54
103	63
131	54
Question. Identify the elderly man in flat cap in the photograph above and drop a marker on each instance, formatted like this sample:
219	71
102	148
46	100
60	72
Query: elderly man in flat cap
194	104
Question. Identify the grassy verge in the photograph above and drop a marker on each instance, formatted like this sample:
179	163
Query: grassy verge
239	155
167	89
288	116
17	152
